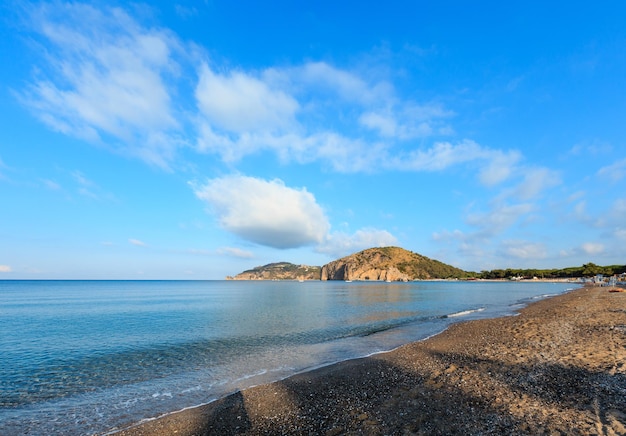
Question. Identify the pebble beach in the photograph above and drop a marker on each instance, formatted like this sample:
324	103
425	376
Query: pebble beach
556	368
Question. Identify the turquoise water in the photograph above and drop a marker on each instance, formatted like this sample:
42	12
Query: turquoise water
87	357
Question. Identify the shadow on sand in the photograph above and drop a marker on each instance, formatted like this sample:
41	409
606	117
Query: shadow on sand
447	396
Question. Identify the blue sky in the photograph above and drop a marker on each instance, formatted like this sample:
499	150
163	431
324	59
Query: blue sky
194	140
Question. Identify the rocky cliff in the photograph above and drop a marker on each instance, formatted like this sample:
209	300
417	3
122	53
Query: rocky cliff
279	271
388	264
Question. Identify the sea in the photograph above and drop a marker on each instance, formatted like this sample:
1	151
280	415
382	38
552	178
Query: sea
92	357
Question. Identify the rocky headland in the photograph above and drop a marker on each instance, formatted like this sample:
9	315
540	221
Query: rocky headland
389	264
377	264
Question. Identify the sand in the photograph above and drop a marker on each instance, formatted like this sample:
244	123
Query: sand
558	368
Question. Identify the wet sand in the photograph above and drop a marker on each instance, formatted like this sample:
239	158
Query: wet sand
558	368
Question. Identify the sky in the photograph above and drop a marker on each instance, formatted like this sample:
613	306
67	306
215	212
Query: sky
198	139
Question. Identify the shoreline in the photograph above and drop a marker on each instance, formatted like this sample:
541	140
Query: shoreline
557	367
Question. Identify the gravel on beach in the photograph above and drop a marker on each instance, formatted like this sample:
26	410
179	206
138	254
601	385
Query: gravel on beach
557	368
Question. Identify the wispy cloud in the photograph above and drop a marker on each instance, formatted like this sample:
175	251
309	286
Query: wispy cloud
137	243
5	269
51	184
495	166
184	11
88	188
498	219
235	252
3	169
592	248
339	244
288	111
615	171
535	181
113	81
524	250
240	103
593	148
105	79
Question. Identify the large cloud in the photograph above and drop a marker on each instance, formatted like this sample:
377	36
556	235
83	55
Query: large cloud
265	212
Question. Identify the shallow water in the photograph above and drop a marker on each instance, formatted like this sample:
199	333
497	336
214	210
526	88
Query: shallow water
86	357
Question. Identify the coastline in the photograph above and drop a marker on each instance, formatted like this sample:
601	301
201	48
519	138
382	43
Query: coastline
559	367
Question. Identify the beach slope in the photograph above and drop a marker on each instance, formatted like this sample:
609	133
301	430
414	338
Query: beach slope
558	368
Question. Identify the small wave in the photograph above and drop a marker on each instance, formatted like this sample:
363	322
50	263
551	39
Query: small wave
193	389
526	301
543	296
463	313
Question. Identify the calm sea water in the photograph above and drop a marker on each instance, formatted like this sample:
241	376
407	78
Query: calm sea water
87	357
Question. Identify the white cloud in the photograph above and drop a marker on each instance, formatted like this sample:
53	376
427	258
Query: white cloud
298	112
592	248
496	165
446	235
3	167
620	233
235	252
343	84
5	269
593	148
185	12
408	121
615	172
339	244
137	243
614	217
198	252
441	156
108	77
500	218
51	184
535	181
88	188
499	167
265	212
524	249
105	77
237	102
385	124
475	245
110	80
580	211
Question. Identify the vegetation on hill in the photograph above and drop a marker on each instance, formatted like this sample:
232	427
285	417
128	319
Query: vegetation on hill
418	266
422	267
280	271
389	263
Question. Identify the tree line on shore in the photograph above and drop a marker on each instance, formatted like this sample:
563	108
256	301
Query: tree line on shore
586	270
